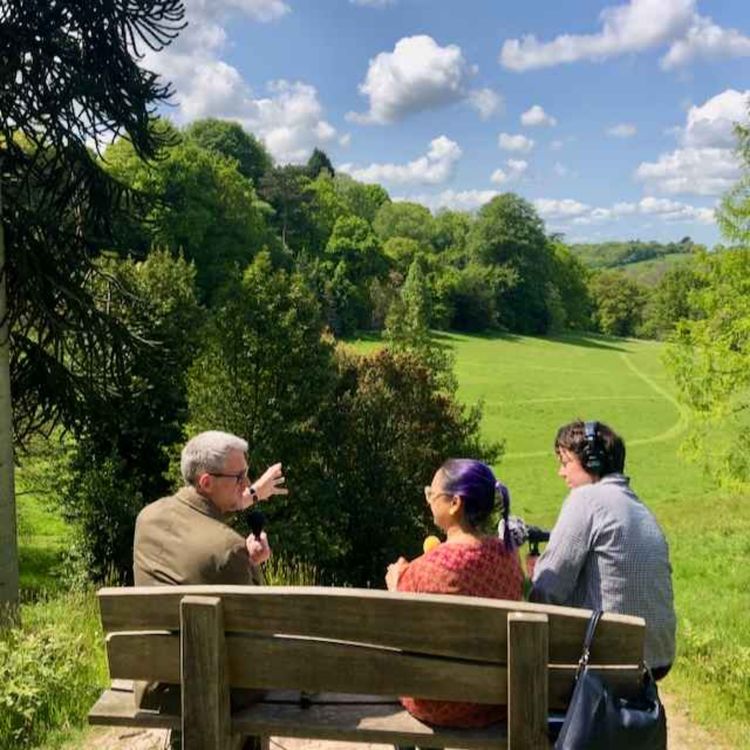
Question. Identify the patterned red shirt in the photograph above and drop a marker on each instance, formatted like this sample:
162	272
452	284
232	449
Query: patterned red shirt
484	569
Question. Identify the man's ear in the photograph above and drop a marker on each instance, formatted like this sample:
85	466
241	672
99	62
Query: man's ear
204	483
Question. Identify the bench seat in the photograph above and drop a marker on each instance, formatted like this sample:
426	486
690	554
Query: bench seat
328	716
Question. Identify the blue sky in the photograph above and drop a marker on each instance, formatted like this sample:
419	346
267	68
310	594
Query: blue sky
615	120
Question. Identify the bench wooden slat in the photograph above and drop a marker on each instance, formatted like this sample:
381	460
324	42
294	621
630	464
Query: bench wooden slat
313	665
470	628
371	721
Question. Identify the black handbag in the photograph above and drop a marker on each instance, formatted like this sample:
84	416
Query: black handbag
597	719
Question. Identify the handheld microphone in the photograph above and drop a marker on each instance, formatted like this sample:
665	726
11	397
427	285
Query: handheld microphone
430	543
257	521
536	536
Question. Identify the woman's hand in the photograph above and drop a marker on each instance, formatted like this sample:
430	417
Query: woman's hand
394	573
270	483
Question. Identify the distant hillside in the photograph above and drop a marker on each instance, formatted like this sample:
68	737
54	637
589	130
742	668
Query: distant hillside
650	271
617	254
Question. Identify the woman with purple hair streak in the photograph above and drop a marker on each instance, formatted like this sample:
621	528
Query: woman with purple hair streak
461	497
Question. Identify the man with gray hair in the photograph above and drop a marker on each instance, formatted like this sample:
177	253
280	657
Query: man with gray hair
183	539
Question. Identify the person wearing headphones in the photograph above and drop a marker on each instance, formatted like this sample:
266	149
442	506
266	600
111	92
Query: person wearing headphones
606	550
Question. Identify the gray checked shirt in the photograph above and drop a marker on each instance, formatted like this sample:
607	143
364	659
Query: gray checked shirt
608	552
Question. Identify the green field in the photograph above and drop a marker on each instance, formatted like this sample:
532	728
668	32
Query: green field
530	386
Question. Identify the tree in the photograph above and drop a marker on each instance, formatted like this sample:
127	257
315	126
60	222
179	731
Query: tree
231	140
619	303
570	284
199	204
120	460
391	425
69	75
508	233
408	323
317	163
709	357
363	199
404	219
287	189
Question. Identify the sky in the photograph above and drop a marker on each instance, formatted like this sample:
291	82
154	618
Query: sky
615	120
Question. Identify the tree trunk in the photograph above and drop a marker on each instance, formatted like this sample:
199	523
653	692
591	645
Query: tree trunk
8	540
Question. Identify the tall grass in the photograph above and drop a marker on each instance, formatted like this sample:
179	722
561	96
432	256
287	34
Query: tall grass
51	669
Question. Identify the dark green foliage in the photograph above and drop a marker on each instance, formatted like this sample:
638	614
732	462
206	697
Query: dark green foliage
58	205
354	242
358	436
509	234
408	322
288	190
200	205
120	460
231	140
391	428
317	163
570	288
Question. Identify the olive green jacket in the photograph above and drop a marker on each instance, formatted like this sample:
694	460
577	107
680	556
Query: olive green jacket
182	540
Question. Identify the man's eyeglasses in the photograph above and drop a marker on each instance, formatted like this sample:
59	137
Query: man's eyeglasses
239	477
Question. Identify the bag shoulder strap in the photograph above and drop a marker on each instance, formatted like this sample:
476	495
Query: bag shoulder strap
588	640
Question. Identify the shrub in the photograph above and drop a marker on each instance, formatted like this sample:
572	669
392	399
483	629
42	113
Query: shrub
51	669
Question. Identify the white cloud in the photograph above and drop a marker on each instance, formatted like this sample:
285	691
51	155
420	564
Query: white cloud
633	27
706	164
712	124
290	119
519	143
514	170
487	102
636	26
622	130
567	212
456	200
706	40
566	208
561	170
537	116
373	3
419	74
262	11
556	145
434	168
699	171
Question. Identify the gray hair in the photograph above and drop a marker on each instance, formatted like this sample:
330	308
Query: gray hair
207	452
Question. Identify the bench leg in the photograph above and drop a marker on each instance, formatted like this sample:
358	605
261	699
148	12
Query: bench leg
528	652
206	719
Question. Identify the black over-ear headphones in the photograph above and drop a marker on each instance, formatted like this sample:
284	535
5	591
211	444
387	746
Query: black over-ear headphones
593	458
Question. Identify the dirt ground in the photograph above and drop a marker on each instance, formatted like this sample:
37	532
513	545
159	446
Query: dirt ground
683	735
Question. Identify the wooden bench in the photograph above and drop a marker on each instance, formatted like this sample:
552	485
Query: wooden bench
349	651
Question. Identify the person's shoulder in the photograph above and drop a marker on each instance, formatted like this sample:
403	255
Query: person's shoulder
156	508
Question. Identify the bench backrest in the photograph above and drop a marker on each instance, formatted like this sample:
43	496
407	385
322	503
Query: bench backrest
364	641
